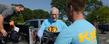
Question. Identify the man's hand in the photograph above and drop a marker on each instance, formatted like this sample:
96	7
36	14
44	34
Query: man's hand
4	33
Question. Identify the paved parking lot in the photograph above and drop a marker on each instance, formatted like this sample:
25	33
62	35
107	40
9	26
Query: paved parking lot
22	42
102	39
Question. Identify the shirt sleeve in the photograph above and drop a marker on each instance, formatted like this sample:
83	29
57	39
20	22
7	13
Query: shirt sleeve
7	12
65	37
64	25
41	30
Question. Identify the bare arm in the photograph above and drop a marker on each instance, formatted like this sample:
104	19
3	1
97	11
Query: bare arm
4	14
4	33
1	23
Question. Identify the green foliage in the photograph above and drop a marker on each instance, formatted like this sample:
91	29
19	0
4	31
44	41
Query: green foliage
93	1
27	14
93	5
31	14
19	19
61	5
40	14
101	15
35	14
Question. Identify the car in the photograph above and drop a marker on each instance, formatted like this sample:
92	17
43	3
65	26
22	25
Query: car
34	26
103	27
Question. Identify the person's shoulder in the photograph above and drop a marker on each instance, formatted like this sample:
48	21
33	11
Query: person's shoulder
45	20
71	26
83	24
89	24
60	20
5	6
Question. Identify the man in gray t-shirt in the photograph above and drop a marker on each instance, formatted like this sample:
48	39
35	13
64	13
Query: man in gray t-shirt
6	11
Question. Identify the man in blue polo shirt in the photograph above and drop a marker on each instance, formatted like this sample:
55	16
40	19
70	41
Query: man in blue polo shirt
80	31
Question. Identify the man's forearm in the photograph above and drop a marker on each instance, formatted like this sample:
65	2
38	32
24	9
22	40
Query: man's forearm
1	22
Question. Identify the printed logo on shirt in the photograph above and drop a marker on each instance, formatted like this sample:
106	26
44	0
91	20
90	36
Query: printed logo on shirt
89	36
52	29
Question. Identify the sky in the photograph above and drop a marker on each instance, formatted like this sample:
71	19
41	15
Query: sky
32	4
38	4
105	2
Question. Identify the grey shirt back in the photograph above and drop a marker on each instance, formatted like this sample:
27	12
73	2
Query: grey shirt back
6	10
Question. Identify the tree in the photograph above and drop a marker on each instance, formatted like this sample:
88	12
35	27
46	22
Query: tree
92	5
19	19
40	14
27	14
35	14
61	5
101	15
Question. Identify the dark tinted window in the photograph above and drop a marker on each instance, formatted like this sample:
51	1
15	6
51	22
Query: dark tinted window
33	23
